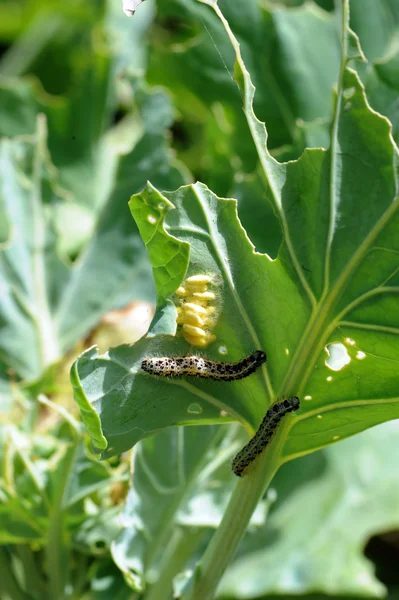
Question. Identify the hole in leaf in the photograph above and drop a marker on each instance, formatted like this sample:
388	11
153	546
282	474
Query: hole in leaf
338	356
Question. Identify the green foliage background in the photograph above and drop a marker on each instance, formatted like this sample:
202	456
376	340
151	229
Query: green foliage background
92	106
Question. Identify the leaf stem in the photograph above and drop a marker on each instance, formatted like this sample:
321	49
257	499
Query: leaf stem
246	495
47	339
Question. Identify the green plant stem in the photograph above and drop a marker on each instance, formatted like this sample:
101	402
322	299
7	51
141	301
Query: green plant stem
57	556
179	549
223	546
250	490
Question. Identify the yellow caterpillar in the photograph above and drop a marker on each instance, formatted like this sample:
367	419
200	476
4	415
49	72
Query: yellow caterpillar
195	314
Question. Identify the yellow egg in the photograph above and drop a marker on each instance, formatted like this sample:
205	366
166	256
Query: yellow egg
204	296
195	288
194	331
199	342
194	307
192	318
181	291
199	280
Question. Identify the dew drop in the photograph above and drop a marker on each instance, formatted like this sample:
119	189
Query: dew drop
161	205
151	219
329	378
287	352
364	580
224	413
195	409
360	355
271	495
222	350
349	92
335	438
349	341
307	397
319	416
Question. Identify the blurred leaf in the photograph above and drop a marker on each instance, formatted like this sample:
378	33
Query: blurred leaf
255	212
49	40
97	532
33	472
106	581
49	304
56	506
93	95
81	58
192	493
382	86
377	25
192	56
293	57
317	530
277	45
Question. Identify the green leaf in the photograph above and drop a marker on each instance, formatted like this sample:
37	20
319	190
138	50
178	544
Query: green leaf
333	288
347	262
351	488
107	412
169	257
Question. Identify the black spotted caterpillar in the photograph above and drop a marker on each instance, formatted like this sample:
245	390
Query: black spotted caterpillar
262	437
196	366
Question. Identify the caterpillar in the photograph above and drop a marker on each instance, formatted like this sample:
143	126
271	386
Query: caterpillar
196	366
262	437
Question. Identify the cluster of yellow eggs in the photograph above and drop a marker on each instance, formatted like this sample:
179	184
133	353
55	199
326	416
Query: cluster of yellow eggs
194	313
